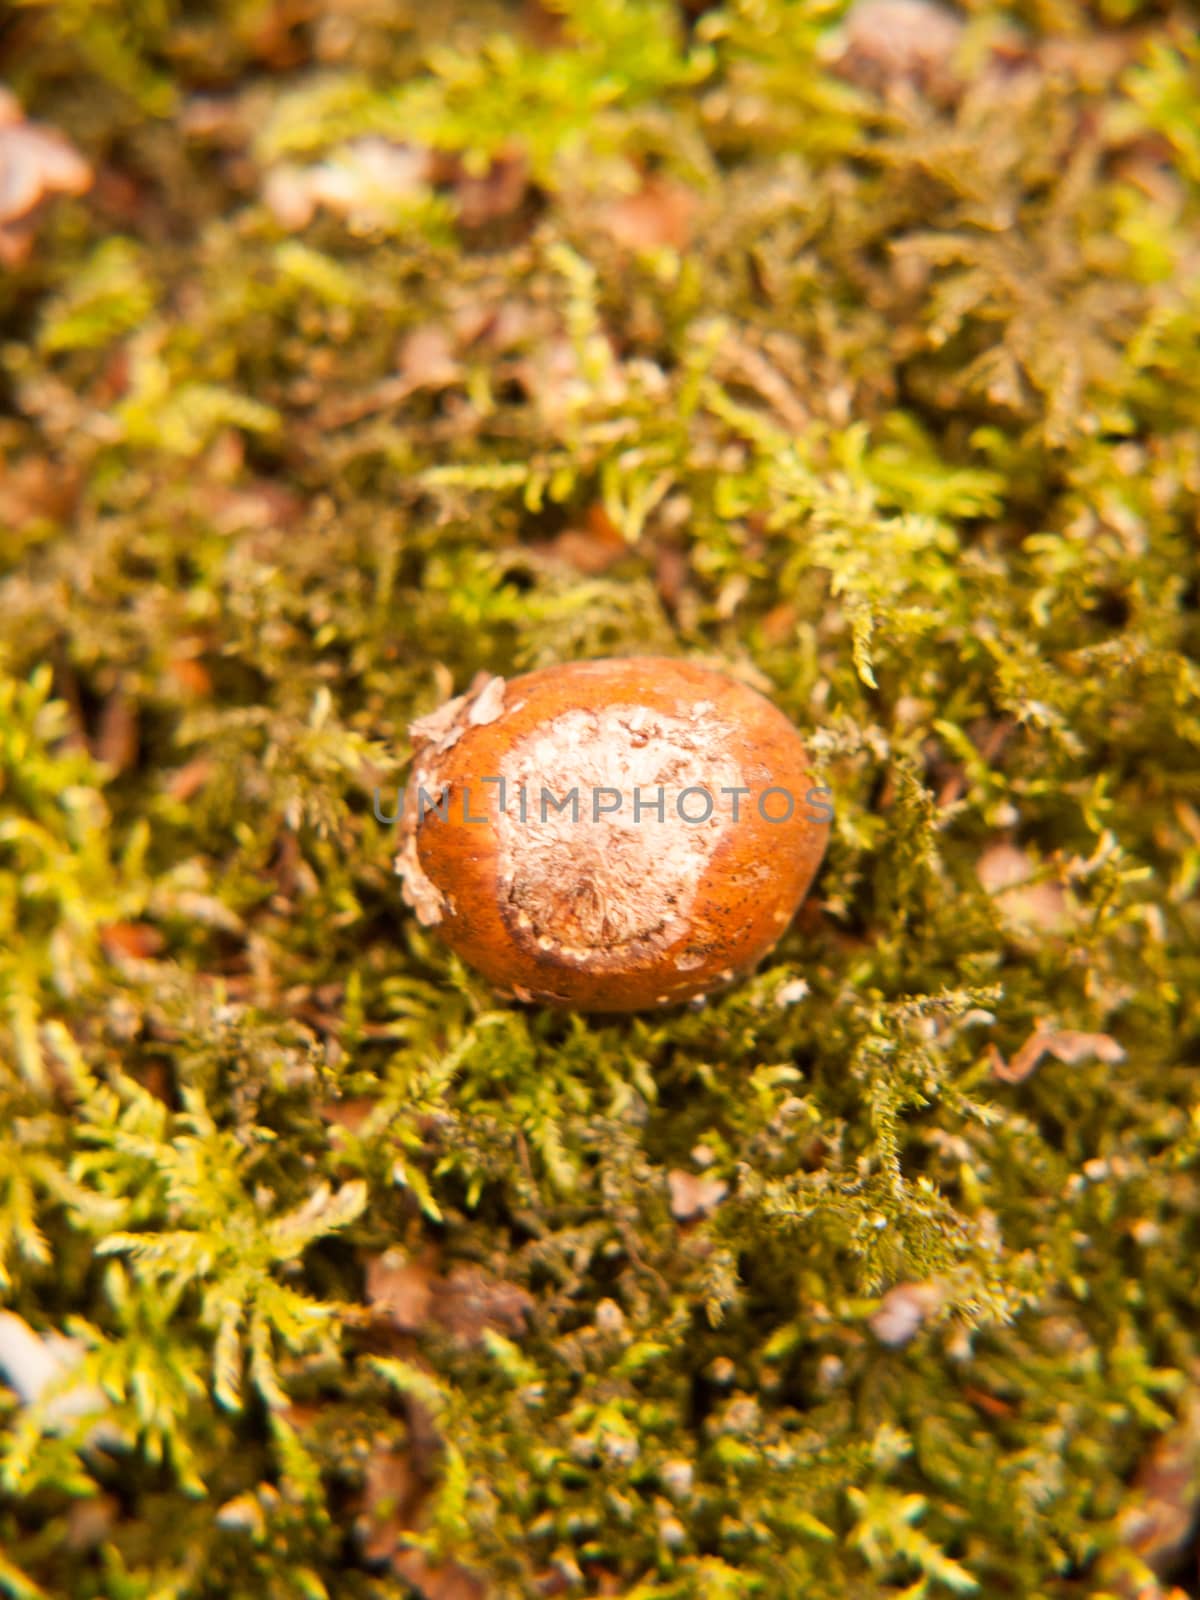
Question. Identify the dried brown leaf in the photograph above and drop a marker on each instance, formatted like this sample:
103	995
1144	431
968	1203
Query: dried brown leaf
496	193
592	549
401	1289
188	780
427	359
36	161
903	1311
1007	872
393	1491
469	1301
693	1197
36	488
449	1581
193	678
116	741
359	181
890	42
349	1114
1159	1519
135	941
1065	1045
661	214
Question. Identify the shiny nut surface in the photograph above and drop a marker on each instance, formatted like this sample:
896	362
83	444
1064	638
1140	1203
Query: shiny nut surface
610	835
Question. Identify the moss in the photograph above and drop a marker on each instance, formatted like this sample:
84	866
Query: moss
396	343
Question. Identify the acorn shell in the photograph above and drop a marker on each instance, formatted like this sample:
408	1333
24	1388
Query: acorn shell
591	906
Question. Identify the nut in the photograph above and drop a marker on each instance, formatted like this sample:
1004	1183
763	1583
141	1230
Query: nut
610	835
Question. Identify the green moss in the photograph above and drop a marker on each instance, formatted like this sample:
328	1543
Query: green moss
884	395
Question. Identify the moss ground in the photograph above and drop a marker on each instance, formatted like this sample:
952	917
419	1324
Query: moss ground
396	342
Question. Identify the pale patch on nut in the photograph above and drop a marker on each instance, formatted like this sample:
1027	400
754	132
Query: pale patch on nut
591	885
443	728
688	960
417	889
488	704
432	736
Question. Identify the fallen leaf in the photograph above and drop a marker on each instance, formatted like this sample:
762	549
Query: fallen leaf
693	1197
1160	1518
778	626
903	1310
363	181
277	36
188	780
119	197
259	505
449	1581
886	42
39	1368
392	1506
991	1404
136	941
1007	873
349	1114
660	215
671	573
1094	60
401	1289
545	24
192	677
426	358
592	549
36	489
499	327
216	119
496	193
291	196
1065	1045
116	741
36	162
410	1295
89	1523
469	1301
392	1493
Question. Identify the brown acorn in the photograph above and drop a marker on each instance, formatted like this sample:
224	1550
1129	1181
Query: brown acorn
610	835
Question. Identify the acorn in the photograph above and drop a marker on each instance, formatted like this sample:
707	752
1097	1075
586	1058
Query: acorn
612	835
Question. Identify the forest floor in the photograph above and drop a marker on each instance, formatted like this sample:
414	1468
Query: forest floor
351	348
